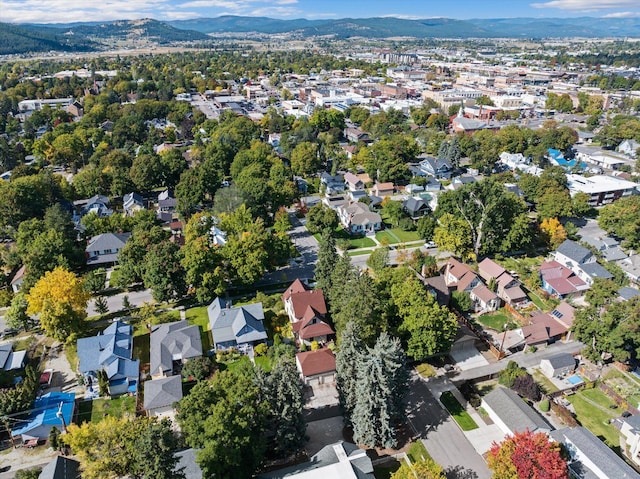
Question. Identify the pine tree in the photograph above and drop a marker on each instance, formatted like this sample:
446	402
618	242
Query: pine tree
285	398
347	359
342	273
101	305
443	151
391	353
327	260
455	152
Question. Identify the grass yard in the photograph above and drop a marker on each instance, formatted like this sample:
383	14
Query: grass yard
458	413
496	320
141	347
397	235
264	362
544	382
198	316
521	265
417	452
113	278
593	412
425	370
540	302
360	253
98	409
354	241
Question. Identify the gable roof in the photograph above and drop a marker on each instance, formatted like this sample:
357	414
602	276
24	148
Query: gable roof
483	293
595	270
560	278
626	293
382	187
574	251
187	464
162	392
457	269
561	360
311	363
312	325
414	205
44	412
490	269
514	412
171	341
61	468
107	241
301	299
110	350
606	462
564	313
535	333
243	324
352	179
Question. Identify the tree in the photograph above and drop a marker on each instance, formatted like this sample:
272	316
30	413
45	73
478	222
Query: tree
224	418
327	260
554	232
321	218
425	227
94	280
305	159
378	259
382	383
286	400
461	301
580	204
31	473
198	368
347	359
61	301
101	305
16	315
622	218
427	327
602	292
527	455
163	273
423	469
453	234
507	377
54	438
527	387
392	210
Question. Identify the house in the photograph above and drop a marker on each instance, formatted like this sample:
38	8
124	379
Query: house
45	415
341	460
511	413
558	365
591	457
630	430
535	334
357	218
307	311
172	343
459	276
11	360
416	207
557	323
333	184
335	202
161	394
97	204
112	352
508	288
460	181
484	299
606	246
61	467
104	248
317	367
354	135
352	182
627	293
437	287
355	196
75	109
435	167
166	206
560	281
631	267
382	189
581	261
629	148
238	327
131	203
18	279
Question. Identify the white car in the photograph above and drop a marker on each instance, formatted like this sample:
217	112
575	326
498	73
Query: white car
430	244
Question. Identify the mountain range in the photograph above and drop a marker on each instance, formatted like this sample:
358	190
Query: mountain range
93	35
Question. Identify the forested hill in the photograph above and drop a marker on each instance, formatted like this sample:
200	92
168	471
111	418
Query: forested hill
19	39
590	27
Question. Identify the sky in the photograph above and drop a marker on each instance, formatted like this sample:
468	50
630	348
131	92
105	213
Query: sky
66	11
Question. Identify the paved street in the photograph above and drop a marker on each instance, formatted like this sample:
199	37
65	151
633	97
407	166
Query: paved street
442	437
114	302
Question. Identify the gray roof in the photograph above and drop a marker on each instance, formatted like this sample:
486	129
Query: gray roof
162	392
561	361
354	462
110	351
107	241
414	205
574	251
514	412
171	341
595	270
628	293
61	468
5	352
243	324
187	462
608	464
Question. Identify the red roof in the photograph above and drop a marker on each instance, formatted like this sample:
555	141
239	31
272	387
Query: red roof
316	362
535	333
296	287
489	269
312	325
301	299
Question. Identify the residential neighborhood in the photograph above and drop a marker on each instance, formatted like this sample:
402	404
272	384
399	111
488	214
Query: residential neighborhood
256	254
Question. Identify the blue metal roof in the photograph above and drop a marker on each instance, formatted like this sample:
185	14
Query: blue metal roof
45	409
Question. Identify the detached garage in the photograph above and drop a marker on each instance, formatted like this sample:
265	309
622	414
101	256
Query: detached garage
317	367
558	365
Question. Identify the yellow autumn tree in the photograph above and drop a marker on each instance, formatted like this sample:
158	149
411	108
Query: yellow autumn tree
554	231
61	301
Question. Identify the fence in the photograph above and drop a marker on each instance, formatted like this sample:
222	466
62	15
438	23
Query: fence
478	334
515	313
619	400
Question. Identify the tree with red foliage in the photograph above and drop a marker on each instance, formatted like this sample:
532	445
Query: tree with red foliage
527	455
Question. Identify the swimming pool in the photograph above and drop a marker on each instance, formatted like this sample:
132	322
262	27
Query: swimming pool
575	379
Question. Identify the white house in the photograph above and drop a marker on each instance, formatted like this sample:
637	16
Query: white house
581	261
356	218
511	413
630	430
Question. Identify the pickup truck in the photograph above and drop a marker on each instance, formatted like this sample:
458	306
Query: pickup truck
45	378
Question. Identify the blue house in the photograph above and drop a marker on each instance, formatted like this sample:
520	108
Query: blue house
238	327
111	351
45	415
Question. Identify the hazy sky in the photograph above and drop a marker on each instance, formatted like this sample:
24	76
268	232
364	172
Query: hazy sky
63	11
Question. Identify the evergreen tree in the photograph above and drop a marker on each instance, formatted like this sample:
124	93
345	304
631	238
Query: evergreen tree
455	152
101	305
444	150
285	398
347	359
327	260
390	351
356	298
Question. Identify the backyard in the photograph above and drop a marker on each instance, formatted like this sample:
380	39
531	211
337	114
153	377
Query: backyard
97	409
497	320
594	409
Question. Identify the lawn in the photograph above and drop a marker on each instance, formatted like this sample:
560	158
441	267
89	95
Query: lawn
596	417
625	384
458	413
397	235
522	265
544	382
496	320
113	278
198	316
97	409
354	241
360	253
417	452
141	347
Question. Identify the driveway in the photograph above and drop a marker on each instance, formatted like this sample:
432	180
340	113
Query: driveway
468	359
444	440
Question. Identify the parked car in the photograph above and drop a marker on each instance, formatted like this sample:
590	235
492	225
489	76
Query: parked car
45	378
430	244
